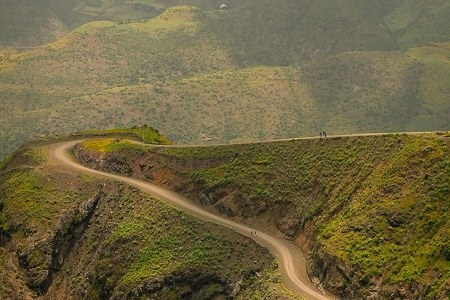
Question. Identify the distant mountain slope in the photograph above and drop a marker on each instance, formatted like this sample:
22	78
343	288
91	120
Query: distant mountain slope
280	32
348	92
29	23
25	23
338	94
299	28
419	21
335	80
103	55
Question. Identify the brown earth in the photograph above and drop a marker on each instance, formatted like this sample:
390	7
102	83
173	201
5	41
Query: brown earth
65	260
170	172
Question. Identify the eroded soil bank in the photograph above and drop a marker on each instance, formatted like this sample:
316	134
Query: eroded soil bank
315	192
65	235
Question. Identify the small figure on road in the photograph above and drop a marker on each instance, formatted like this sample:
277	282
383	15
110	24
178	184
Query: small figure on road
324	134
320	134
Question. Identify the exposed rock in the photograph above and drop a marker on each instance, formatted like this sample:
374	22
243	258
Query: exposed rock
45	257
289	221
396	218
187	284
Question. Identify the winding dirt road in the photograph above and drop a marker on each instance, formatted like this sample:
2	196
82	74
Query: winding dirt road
290	259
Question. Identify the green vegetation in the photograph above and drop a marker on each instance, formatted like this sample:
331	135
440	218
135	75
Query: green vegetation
144	133
27	201
419	21
162	244
398	219
109	145
391	194
379	204
164	247
166	242
31	199
261	70
197	74
129	240
35	204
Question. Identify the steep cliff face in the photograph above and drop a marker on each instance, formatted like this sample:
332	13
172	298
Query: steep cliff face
358	207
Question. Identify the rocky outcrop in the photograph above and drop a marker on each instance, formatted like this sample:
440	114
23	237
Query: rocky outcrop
101	161
46	256
186	284
326	270
340	279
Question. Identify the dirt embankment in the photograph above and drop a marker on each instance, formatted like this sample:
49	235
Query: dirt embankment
324	269
43	257
78	257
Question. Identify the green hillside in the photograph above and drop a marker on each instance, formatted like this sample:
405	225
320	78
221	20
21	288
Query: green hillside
63	236
371	213
349	92
27	24
307	67
419	21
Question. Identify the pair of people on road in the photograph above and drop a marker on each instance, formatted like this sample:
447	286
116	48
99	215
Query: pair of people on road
324	134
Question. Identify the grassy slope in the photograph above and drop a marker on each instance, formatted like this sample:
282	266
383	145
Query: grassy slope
32	200
404	177
378	203
144	242
106	74
159	242
398	221
33	23
418	22
338	94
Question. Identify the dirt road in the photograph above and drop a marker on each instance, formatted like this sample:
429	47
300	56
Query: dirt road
289	257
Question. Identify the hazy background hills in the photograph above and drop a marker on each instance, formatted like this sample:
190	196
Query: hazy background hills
262	69
28	23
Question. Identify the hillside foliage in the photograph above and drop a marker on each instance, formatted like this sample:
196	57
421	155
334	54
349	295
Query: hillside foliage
379	204
259	70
